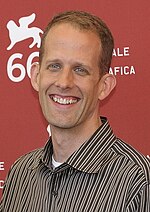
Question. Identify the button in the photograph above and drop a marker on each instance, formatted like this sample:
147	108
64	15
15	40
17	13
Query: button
54	193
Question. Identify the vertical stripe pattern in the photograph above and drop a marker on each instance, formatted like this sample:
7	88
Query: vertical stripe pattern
103	175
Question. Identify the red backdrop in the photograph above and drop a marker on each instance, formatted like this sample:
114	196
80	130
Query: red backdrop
22	126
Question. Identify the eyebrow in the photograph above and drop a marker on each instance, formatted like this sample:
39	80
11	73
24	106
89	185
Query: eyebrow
76	63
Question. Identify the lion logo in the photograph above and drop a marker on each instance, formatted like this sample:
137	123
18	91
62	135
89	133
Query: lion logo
23	31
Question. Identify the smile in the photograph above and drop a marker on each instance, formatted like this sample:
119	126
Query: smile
64	101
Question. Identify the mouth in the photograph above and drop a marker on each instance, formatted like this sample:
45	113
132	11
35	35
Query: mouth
69	100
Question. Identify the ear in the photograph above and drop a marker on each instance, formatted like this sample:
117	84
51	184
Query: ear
106	85
35	71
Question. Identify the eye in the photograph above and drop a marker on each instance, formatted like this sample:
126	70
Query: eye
81	71
54	67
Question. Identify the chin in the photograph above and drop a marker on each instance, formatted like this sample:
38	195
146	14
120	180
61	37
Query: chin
62	125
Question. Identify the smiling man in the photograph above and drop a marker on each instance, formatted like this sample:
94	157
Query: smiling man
83	166
70	85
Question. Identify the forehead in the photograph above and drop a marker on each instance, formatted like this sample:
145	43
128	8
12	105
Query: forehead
65	34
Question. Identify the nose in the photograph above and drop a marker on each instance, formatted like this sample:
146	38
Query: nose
65	79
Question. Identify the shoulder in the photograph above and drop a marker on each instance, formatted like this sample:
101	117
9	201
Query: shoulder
30	156
135	158
25	162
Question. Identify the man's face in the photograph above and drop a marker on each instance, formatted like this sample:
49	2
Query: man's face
69	77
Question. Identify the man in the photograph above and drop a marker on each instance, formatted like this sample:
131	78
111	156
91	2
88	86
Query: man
83	166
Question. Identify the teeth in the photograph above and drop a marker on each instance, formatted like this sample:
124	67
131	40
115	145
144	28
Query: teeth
64	101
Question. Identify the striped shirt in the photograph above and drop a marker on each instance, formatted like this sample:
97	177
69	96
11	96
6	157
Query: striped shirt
104	174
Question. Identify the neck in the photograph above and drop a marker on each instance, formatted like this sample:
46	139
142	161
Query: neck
67	141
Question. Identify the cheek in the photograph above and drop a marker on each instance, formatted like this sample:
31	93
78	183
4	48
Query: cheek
93	93
92	86
43	87
44	83
88	91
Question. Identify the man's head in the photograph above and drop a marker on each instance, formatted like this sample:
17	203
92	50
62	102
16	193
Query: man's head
85	22
72	77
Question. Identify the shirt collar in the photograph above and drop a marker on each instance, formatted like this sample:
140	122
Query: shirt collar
90	156
95	152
